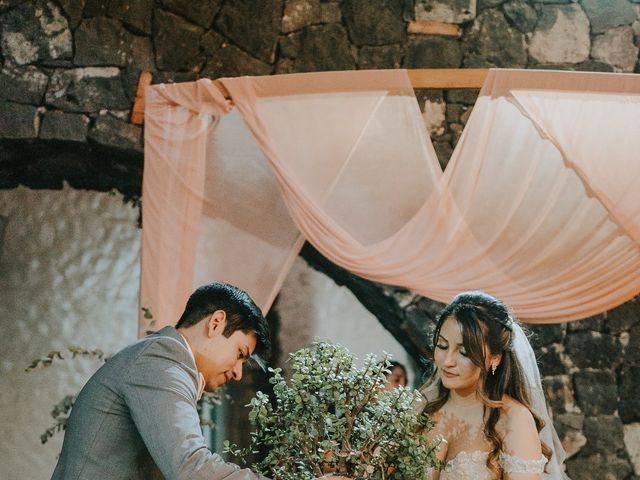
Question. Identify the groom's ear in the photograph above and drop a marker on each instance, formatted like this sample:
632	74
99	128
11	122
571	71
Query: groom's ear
216	323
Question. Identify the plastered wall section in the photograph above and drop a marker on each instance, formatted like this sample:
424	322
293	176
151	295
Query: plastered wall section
69	274
312	305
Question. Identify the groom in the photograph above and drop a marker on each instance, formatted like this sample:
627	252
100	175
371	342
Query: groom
136	417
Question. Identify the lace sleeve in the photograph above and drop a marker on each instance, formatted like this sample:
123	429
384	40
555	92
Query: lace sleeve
512	464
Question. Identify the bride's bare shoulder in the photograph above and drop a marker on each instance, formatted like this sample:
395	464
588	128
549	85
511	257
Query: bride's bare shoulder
520	431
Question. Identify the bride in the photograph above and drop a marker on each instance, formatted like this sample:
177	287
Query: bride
486	397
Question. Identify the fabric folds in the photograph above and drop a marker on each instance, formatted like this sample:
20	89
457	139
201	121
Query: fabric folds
538	205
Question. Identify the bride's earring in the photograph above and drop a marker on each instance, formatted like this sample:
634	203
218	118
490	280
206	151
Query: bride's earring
493	369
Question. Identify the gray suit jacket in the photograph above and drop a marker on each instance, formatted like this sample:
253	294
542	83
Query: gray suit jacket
136	418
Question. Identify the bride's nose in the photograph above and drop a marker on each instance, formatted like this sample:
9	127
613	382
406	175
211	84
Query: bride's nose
451	358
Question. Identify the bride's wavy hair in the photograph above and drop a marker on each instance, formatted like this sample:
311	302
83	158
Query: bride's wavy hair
487	328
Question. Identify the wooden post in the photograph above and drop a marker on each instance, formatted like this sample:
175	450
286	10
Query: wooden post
137	112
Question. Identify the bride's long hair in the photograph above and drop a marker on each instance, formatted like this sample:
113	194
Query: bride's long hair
486	325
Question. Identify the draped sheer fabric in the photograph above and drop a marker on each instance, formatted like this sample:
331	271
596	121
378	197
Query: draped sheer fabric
539	204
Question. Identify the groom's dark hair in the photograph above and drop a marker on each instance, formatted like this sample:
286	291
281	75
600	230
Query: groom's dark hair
242	312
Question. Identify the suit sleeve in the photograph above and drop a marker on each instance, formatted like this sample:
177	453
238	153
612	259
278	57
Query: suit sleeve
161	396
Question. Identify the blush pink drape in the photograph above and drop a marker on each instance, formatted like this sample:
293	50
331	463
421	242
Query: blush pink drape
539	204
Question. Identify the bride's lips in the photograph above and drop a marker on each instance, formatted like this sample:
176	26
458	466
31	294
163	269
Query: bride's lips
448	374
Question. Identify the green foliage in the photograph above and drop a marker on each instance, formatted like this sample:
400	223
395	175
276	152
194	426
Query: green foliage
335	417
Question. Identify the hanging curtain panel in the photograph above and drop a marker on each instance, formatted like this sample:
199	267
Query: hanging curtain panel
538	205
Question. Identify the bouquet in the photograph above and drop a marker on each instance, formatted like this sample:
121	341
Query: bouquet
333	417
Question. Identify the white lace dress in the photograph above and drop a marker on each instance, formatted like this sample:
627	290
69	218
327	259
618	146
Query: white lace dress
473	466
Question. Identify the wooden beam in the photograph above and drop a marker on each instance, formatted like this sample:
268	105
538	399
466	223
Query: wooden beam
421	79
137	112
427	27
447	78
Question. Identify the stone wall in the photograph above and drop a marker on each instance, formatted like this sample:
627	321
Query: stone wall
69	75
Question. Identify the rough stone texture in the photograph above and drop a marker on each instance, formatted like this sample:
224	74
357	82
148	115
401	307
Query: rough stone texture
558	393
521	15
135	14
616	47
494	41
71	257
374	22
35	32
569	427
116	133
177	43
64	126
433	52
388	56
542	335
197	11
300	13
567	22
324	48
95	8
18	121
552	360
594	350
632	443
253	25
86	90
601	467
604	435
330	12
630	394
230	61
632	350
606	14
624	317
448	11
23	85
596	392
91	37
73	10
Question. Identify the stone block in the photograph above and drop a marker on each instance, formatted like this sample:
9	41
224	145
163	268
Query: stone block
177	42
387	56
447	11
253	25
629	390
136	14
58	125
35	31
300	13
87	90
521	15
624	317
558	393
289	45
632	444
596	392
331	12
542	335
374	22
597	322
201	12
604	435
606	14
73	9
102	41
466	96
497	42
112	132
600	467
433	52
616	47
551	360
23	85
95	8
484	4
632	350
18	121
569	427
324	48
561	35
594	350
230	61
